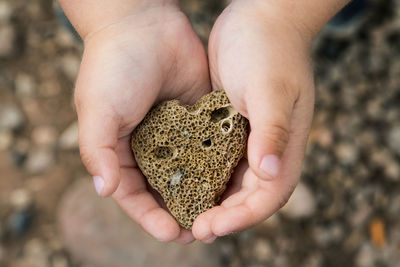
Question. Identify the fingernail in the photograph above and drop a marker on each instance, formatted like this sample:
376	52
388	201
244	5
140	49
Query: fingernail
209	239
98	184
270	164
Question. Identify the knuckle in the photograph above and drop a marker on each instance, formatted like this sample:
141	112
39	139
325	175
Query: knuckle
287	89
278	135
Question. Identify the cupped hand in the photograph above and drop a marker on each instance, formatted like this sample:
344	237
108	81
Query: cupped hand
128	66
261	59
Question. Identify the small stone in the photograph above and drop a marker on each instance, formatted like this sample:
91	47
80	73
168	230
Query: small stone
24	85
45	135
49	88
7	39
262	250
19	151
20	221
59	260
33	110
11	117
64	37
36	253
394	139
88	228
385	159
301	204
377	232
326	235
69	137
346	153
39	160
394	208
5	11
70	65
366	256
6	140
21	199
188	153
359	216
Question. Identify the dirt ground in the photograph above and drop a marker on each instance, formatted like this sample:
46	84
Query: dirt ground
345	211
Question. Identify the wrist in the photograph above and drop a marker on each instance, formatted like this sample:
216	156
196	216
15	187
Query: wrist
88	16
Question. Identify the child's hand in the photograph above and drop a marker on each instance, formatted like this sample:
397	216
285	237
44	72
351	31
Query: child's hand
262	61
128	65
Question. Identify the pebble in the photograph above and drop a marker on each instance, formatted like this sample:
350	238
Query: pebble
360	215
6	140
65	38
262	250
88	227
5	11
45	135
49	88
326	235
366	256
11	117
21	199
394	139
7	38
385	159
20	221
20	151
36	253
25	85
394	208
33	110
301	204
69	137
346	153
70	65
59	261
39	160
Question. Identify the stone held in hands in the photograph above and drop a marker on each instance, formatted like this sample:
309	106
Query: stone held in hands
188	153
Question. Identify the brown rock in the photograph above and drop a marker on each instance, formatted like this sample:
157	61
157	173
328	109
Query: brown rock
188	153
97	233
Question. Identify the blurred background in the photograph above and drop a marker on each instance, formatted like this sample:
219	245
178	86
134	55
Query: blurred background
345	212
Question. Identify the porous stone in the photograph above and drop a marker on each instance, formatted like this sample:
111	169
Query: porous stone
188	153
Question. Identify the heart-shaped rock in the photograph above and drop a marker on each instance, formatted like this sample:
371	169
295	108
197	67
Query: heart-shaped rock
188	153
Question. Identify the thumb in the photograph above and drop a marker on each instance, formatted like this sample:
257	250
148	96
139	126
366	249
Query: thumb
98	135
269	110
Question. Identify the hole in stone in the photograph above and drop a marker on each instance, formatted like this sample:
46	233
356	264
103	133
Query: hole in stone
206	143
226	126
163	152
220	114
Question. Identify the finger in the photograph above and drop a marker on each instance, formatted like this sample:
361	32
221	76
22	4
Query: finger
270	106
97	142
140	205
185	237
258	199
235	182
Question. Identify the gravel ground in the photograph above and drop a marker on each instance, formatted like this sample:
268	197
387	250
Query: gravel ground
345	212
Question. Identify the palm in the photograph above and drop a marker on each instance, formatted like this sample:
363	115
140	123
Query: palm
144	63
244	53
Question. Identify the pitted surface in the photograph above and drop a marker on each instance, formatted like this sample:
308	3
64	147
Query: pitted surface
188	153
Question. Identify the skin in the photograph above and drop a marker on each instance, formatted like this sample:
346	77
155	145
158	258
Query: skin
138	53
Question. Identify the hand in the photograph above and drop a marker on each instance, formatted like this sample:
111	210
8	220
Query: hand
129	65
261	59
